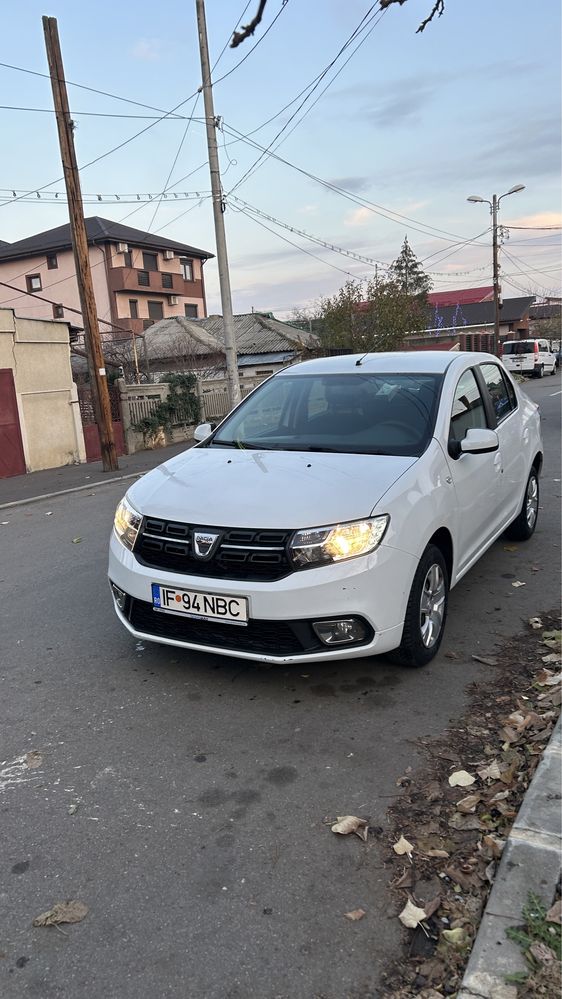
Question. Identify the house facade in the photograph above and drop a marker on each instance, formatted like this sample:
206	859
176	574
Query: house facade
139	278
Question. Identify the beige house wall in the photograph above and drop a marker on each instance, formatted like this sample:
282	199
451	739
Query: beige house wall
38	353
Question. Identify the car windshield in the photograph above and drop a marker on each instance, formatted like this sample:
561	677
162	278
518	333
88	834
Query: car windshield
355	413
519	347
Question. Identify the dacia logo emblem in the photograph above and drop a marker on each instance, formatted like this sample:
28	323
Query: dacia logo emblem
204	543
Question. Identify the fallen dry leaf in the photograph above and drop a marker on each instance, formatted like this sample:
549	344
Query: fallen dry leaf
452	655
351	824
552	639
518	583
406	880
488	661
62	912
554	915
402	847
460	778
431	907
552	657
457	937
495	845
437	853
510	548
464	822
411	915
355	915
33	759
542	953
490	772
76	541
536	623
468	805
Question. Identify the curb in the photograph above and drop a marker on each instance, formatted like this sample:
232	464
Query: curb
531	861
74	489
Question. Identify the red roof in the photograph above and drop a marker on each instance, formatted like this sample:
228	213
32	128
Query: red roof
463	296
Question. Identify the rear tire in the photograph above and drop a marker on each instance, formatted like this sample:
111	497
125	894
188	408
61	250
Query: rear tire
553	372
426	612
540	372
523	527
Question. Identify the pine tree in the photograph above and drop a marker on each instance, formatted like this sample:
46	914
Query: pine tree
408	273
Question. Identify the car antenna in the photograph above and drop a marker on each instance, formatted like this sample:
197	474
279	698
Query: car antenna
360	360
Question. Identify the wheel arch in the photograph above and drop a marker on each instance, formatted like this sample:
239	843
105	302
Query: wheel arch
537	462
442	539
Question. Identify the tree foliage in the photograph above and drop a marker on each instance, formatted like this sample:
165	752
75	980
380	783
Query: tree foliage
408	273
371	315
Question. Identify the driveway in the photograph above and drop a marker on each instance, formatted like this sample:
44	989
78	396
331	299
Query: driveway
182	797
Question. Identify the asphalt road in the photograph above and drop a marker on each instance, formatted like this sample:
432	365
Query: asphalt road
182	796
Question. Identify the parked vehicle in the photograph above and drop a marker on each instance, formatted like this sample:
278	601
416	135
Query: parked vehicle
529	357
330	513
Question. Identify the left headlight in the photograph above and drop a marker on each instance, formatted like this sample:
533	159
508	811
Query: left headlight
127	523
323	545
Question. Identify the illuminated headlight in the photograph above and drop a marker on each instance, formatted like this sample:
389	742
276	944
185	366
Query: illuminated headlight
126	524
323	545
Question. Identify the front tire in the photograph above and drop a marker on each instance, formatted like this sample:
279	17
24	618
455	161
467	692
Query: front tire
523	527
426	612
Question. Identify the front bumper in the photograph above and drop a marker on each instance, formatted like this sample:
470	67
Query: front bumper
374	588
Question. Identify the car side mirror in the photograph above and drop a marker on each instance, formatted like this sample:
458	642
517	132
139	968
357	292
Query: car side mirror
479	442
203	431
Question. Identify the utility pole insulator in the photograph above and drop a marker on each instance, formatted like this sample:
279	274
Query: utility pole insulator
94	352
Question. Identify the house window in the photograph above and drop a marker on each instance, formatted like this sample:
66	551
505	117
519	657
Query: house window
156	310
150	261
52	262
191	311
58	311
186	268
33	282
128	259
167	281
133	308
144	278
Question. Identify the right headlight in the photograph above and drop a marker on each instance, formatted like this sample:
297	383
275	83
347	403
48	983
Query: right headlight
323	545
127	523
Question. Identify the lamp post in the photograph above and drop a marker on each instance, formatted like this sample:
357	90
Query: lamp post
494	208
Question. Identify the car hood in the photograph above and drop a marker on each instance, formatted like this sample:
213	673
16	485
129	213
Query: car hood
268	489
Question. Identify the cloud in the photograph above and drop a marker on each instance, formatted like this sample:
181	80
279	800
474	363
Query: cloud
308	210
359	217
400	108
354	184
539	219
147	50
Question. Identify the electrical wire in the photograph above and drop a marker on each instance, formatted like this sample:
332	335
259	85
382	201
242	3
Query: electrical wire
319	79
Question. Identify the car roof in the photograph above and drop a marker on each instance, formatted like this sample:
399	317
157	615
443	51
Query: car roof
403	361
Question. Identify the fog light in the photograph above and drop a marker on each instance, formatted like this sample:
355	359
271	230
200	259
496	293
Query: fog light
342	631
119	596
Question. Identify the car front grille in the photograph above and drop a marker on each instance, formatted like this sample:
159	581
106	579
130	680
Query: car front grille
278	638
251	554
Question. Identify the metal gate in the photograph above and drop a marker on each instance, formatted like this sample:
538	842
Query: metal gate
91	433
12	460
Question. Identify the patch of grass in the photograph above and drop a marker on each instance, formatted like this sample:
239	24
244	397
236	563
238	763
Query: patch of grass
541	943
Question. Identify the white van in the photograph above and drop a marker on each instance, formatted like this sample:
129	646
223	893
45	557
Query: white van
529	357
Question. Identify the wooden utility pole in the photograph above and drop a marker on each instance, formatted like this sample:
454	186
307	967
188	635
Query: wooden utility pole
218	212
96	365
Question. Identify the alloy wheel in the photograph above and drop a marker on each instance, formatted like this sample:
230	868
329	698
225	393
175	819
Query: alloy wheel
532	503
432	606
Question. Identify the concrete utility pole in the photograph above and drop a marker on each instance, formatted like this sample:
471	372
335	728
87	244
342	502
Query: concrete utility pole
96	365
218	212
494	208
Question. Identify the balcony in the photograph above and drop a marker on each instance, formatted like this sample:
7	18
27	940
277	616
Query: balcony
127	279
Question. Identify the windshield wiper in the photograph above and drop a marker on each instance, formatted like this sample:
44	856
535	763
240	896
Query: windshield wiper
240	445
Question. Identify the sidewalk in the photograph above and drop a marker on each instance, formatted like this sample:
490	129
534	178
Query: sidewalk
50	481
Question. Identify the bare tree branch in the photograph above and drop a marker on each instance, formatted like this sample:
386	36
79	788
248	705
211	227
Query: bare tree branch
248	29
438	8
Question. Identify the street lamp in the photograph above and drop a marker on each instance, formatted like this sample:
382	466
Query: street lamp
494	208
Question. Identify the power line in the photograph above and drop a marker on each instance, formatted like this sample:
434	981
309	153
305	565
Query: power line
254	47
98	114
317	82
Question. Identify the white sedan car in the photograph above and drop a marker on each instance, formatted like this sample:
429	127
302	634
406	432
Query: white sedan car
330	513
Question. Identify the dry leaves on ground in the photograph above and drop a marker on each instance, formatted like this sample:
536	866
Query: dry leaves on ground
72	911
461	778
33	759
355	915
347	824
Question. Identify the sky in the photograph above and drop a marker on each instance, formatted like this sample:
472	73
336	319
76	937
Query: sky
389	144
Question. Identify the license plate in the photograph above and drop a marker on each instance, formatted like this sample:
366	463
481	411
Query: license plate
204	606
